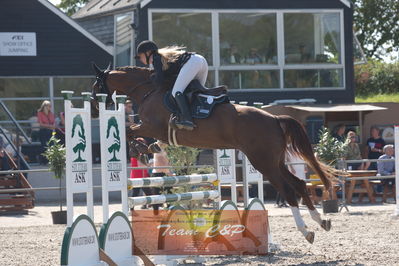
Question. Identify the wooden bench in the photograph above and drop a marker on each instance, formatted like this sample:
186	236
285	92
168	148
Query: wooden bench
388	191
325	193
365	188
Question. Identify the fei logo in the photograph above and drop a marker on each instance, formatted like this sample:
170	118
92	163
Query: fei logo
78	126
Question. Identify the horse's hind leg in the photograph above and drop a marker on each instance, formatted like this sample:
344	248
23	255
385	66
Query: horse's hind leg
300	189
279	182
300	223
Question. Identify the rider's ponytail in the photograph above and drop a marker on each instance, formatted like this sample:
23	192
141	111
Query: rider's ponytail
170	54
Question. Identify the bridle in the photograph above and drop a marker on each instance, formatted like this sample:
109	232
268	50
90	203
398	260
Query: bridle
102	85
103	88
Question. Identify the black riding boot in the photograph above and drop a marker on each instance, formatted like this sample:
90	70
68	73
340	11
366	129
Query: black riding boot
186	121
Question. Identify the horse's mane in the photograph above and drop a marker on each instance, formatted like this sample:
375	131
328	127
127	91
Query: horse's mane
168	83
133	68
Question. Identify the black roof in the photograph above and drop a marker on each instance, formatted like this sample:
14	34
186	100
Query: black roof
103	7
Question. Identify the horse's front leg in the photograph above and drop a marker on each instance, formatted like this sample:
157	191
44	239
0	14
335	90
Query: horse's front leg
135	130
138	147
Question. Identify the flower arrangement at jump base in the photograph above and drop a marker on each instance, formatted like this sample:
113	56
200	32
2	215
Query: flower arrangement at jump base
56	156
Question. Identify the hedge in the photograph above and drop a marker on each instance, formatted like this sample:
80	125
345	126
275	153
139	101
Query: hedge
376	78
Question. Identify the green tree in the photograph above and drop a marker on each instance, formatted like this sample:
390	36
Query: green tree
71	6
182	157
329	149
376	26
55	153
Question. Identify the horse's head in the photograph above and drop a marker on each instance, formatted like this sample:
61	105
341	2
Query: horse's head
131	81
100	86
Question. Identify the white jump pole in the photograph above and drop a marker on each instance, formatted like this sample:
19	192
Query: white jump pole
113	152
79	177
396	212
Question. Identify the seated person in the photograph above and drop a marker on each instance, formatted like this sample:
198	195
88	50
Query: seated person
352	151
4	163
387	168
339	132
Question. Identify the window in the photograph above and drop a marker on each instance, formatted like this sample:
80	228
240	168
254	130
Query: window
312	38
250	79
313	78
123	40
273	50
192	30
24	87
259	32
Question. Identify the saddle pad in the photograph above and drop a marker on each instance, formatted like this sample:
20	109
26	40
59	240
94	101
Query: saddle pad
201	105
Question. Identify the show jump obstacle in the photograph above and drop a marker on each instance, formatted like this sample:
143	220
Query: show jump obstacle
114	244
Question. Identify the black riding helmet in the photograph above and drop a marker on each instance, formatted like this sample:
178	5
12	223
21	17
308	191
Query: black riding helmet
144	47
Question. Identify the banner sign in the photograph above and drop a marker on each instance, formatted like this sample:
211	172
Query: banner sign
226	165
113	151
79	176
226	170
18	44
200	232
251	173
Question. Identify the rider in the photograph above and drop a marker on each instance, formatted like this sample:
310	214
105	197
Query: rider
175	61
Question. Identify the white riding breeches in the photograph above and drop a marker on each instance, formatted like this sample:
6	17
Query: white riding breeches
195	68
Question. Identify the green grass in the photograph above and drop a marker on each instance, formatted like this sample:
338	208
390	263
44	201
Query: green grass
378	98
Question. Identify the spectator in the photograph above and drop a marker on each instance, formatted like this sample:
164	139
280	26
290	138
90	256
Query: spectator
140	173
234	56
47	122
4	163
386	168
253	57
352	151
339	132
129	113
375	145
61	128
161	159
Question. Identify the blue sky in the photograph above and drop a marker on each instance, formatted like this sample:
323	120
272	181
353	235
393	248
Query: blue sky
55	2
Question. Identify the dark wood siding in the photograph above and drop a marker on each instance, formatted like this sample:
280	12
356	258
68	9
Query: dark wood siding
61	49
322	96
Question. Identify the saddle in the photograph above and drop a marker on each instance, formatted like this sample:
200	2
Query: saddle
201	100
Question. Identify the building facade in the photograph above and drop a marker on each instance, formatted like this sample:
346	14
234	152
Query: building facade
262	50
43	51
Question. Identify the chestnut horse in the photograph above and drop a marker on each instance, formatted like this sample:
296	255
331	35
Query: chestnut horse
264	138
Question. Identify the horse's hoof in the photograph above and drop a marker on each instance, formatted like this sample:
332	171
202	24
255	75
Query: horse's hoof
326	225
143	158
133	152
140	146
154	148
310	237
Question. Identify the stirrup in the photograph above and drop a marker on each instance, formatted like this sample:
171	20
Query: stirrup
187	125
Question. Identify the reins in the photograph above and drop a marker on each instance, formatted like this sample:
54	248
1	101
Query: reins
141	84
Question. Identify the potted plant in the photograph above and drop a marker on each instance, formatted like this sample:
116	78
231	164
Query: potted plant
55	154
329	150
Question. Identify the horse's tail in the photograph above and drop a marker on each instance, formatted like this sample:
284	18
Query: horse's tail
295	135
